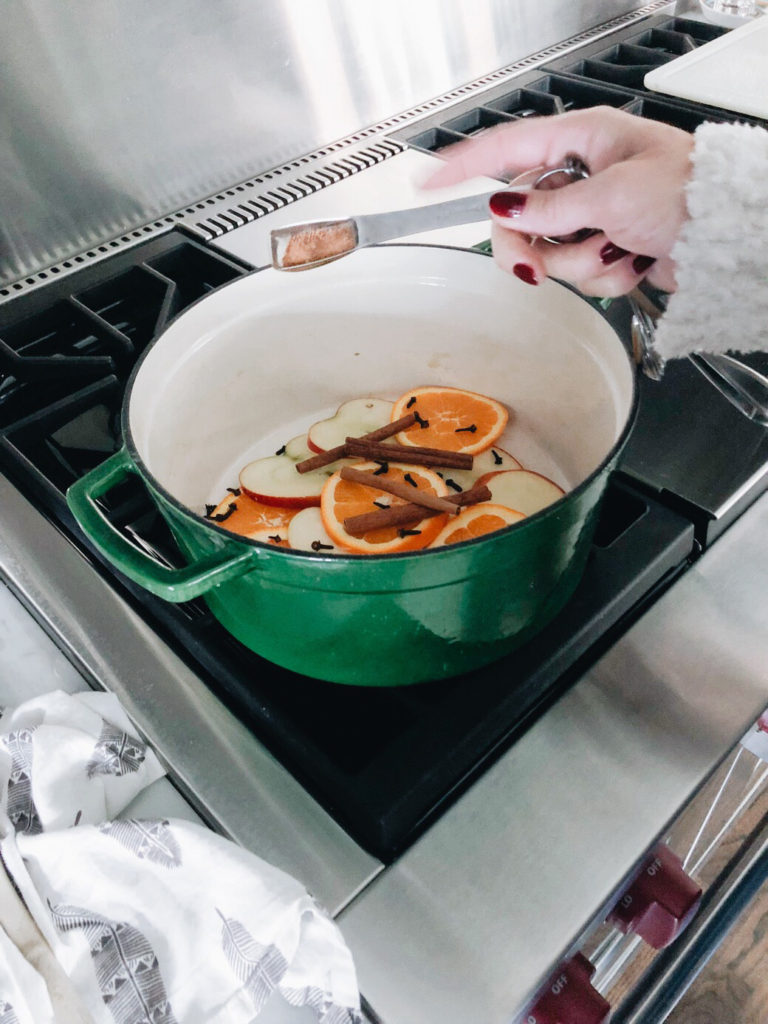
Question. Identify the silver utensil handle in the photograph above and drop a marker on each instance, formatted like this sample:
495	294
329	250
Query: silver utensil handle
744	387
381	227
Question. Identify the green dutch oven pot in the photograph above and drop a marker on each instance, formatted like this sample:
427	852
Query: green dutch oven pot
258	361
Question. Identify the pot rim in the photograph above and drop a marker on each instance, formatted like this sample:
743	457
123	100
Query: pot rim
315	557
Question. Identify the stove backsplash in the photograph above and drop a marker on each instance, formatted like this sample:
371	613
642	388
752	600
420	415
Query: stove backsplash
121	120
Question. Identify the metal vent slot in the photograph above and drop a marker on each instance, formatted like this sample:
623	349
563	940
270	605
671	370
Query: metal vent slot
298	188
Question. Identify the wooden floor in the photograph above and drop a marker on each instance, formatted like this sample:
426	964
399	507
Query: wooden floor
733	988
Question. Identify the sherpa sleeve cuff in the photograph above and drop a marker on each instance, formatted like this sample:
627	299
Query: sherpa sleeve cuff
721	255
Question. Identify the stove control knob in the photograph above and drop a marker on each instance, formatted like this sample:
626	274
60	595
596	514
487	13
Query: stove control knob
660	902
756	738
568	997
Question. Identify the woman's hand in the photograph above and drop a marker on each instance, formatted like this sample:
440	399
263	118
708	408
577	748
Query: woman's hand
634	197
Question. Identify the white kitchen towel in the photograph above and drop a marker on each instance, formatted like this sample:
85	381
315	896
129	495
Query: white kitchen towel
68	759
164	922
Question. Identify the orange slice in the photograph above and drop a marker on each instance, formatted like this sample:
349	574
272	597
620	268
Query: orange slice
342	499
459	421
254	519
476	521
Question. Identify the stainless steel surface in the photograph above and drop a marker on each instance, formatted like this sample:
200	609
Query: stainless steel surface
673	972
500	887
117	116
235	784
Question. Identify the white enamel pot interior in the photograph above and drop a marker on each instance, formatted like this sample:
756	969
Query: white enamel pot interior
257	362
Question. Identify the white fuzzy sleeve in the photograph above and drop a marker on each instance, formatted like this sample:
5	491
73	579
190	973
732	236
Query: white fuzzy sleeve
721	302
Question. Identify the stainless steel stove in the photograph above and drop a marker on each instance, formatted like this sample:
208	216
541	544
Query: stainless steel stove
482	840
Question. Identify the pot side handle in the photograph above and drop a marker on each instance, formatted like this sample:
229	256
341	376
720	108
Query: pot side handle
174	585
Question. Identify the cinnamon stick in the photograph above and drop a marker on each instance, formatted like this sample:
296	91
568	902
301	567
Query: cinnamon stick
405	491
406	453
404	515
390	429
380	434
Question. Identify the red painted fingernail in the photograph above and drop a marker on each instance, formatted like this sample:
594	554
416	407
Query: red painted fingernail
610	253
507	204
525	273
641	263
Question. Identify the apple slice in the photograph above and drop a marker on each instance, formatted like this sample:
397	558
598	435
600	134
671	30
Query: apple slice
298	449
274	481
522	490
492	460
352	419
307	533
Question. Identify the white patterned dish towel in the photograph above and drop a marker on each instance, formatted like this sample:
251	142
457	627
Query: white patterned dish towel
141	922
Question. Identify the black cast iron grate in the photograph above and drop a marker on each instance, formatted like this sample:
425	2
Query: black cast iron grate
610	71
626	63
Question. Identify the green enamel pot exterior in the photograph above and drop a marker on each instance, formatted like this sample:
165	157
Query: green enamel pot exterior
391	620
364	620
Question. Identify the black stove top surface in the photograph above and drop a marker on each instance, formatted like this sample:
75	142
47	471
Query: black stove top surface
383	762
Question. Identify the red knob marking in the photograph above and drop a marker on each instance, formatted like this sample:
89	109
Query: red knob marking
660	901
568	997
